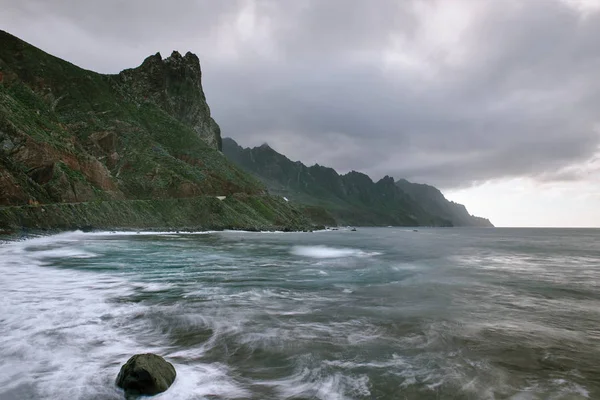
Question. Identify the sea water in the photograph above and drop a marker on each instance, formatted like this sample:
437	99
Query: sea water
384	313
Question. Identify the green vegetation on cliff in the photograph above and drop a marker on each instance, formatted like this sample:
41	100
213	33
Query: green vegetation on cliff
247	212
352	198
138	149
67	134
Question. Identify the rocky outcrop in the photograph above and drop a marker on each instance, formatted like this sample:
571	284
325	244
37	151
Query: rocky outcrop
174	84
146	374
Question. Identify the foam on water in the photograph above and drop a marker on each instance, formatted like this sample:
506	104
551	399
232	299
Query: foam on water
285	316
329	252
51	318
64	336
322	385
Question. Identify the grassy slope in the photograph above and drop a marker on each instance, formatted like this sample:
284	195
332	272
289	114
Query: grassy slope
250	212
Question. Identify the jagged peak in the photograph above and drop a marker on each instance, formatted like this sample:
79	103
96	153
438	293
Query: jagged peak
357	173
387	180
175	60
175	85
190	60
153	59
191	57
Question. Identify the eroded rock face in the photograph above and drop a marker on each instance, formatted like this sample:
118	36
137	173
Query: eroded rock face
42	174
12	192
146	374
175	85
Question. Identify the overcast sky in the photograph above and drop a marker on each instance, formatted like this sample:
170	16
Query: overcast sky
495	102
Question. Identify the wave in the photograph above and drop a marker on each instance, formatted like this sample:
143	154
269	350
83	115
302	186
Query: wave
67	332
319	384
329	252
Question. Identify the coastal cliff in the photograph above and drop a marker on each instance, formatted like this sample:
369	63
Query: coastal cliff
78	138
353	198
105	150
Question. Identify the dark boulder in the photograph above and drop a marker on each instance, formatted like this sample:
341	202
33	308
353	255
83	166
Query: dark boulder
146	374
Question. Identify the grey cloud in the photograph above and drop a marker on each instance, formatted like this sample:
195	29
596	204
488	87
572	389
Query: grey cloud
131	21
522	101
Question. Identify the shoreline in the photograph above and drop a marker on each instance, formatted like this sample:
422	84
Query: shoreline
10	237
198	214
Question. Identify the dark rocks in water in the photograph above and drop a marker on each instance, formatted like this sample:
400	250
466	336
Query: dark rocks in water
146	374
353	230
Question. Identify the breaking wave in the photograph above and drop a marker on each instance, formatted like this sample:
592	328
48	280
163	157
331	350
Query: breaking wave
329	252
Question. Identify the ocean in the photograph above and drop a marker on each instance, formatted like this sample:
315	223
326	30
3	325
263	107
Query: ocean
380	313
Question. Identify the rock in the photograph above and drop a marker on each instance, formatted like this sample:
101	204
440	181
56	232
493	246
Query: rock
146	374
105	140
174	85
42	174
6	145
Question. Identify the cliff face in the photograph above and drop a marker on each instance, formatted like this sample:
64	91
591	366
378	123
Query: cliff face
174	85
72	135
433	201
352	198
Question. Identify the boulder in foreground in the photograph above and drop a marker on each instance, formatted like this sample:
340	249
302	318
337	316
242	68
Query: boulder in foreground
146	374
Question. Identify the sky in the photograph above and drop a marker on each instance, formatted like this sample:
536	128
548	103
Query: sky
497	103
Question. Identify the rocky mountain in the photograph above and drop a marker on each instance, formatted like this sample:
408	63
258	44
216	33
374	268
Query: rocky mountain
140	148
174	85
352	198
69	135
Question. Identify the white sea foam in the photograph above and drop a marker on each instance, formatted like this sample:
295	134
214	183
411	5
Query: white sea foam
64	336
52	323
201	381
78	235
61	253
75	306
329	252
317	384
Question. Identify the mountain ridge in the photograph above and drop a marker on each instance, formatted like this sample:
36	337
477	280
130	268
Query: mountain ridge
73	138
352	198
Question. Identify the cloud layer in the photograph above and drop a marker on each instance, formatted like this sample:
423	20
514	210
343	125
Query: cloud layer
448	93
